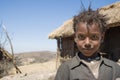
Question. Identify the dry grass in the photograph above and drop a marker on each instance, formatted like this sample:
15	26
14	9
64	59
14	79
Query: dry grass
5	67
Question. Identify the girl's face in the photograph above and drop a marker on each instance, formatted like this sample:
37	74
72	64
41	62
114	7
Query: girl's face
88	38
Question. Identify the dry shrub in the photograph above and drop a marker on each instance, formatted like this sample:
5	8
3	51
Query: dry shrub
5	67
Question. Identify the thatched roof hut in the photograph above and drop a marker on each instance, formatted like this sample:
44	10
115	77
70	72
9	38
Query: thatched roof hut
65	31
111	11
6	63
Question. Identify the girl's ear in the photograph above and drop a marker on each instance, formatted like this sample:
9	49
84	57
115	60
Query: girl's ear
75	39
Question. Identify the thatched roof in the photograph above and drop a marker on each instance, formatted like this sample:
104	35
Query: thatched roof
63	31
111	11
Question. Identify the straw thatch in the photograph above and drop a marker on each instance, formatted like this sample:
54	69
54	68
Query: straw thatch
63	31
5	62
111	11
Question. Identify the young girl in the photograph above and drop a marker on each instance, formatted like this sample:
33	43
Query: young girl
88	64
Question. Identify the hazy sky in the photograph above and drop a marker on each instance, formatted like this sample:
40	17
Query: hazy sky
30	21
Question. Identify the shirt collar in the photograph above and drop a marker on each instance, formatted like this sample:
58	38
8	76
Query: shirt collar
96	56
76	62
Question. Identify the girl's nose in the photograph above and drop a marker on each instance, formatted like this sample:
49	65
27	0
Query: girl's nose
87	41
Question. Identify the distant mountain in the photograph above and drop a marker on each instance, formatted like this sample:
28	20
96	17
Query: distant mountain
26	58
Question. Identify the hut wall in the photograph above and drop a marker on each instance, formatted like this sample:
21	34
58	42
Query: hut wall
67	47
111	44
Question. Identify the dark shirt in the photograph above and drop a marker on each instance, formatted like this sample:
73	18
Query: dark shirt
75	69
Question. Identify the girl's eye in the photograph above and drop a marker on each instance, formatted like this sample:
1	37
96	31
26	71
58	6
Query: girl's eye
94	37
81	37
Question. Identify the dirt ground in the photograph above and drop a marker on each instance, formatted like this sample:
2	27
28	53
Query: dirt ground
36	71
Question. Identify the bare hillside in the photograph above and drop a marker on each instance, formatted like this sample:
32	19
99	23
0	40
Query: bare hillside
33	57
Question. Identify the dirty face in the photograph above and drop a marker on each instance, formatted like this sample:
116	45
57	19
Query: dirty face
88	38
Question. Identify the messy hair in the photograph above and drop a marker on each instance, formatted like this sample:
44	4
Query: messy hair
90	17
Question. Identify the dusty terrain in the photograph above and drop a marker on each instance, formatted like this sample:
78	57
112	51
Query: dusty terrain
34	70
34	66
